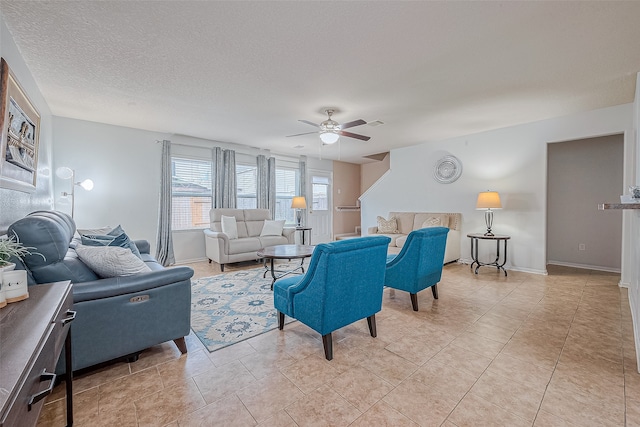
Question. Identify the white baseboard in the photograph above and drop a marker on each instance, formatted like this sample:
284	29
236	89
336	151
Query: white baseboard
585	266
635	313
508	267
189	261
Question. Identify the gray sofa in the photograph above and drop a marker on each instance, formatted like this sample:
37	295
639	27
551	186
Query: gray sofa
223	250
116	316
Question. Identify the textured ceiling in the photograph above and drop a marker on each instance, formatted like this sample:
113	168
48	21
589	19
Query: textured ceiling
245	71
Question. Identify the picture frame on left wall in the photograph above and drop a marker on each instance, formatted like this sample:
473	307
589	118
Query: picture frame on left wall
20	124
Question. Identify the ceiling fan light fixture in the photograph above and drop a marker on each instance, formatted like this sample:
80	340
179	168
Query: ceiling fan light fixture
329	137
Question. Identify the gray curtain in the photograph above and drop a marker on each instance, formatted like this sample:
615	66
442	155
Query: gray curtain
271	186
164	245
262	183
218	176
224	178
230	189
303	186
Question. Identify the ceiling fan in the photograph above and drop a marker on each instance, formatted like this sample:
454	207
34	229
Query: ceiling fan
330	130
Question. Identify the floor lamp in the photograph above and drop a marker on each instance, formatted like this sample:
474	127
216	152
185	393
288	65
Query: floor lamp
64	172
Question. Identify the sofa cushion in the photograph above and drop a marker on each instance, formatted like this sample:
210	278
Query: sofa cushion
272	228
111	261
229	226
393	237
247	244
405	221
115	237
266	241
432	222
387	226
432	218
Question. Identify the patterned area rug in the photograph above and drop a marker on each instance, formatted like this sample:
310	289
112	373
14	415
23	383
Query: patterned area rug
231	307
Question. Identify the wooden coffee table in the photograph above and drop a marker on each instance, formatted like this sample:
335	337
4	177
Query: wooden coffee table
284	252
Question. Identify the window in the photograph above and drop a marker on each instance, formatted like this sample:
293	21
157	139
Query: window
247	184
286	188
190	193
320	188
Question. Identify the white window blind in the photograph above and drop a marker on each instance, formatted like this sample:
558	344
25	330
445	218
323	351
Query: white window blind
191	193
286	188
247	184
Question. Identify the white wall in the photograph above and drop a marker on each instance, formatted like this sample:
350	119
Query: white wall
511	161
16	204
634	232
124	165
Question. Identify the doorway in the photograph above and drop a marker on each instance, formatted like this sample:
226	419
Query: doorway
580	175
320	209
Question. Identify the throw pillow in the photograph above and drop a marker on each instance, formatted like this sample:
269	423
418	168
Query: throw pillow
432	222
387	226
111	261
115	237
229	226
100	230
272	228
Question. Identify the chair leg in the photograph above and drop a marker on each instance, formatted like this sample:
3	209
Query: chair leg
434	291
280	320
221	267
328	346
209	261
371	320
414	301
181	344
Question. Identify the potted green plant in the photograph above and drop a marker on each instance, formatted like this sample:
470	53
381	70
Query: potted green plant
11	248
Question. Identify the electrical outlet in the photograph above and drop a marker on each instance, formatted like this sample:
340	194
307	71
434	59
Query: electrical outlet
581	247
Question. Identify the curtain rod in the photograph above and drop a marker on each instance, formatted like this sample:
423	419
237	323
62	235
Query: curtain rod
281	156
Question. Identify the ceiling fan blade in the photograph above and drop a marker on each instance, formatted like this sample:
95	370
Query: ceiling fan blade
354	135
309	123
353	124
299	134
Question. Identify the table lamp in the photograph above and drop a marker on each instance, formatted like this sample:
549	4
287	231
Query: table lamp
298	203
488	200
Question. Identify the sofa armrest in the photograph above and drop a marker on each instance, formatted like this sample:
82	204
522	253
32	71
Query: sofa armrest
113	286
216	235
143	246
290	234
372	230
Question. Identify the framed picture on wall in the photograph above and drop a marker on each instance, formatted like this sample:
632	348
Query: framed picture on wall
20	124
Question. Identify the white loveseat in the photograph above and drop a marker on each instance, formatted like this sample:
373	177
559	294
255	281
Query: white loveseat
250	222
409	221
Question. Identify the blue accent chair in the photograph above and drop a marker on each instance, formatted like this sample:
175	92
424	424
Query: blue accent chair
419	263
343	284
117	316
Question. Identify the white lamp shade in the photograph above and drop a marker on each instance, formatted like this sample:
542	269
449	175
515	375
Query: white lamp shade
329	137
298	202
488	200
87	184
64	172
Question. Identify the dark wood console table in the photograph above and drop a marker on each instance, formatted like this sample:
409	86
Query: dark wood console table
32	333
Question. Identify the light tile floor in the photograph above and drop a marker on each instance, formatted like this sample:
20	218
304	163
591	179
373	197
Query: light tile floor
524	350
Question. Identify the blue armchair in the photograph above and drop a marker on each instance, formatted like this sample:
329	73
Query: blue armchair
343	283
117	316
419	263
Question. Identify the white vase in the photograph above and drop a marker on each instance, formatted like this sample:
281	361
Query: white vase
14	285
3	299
